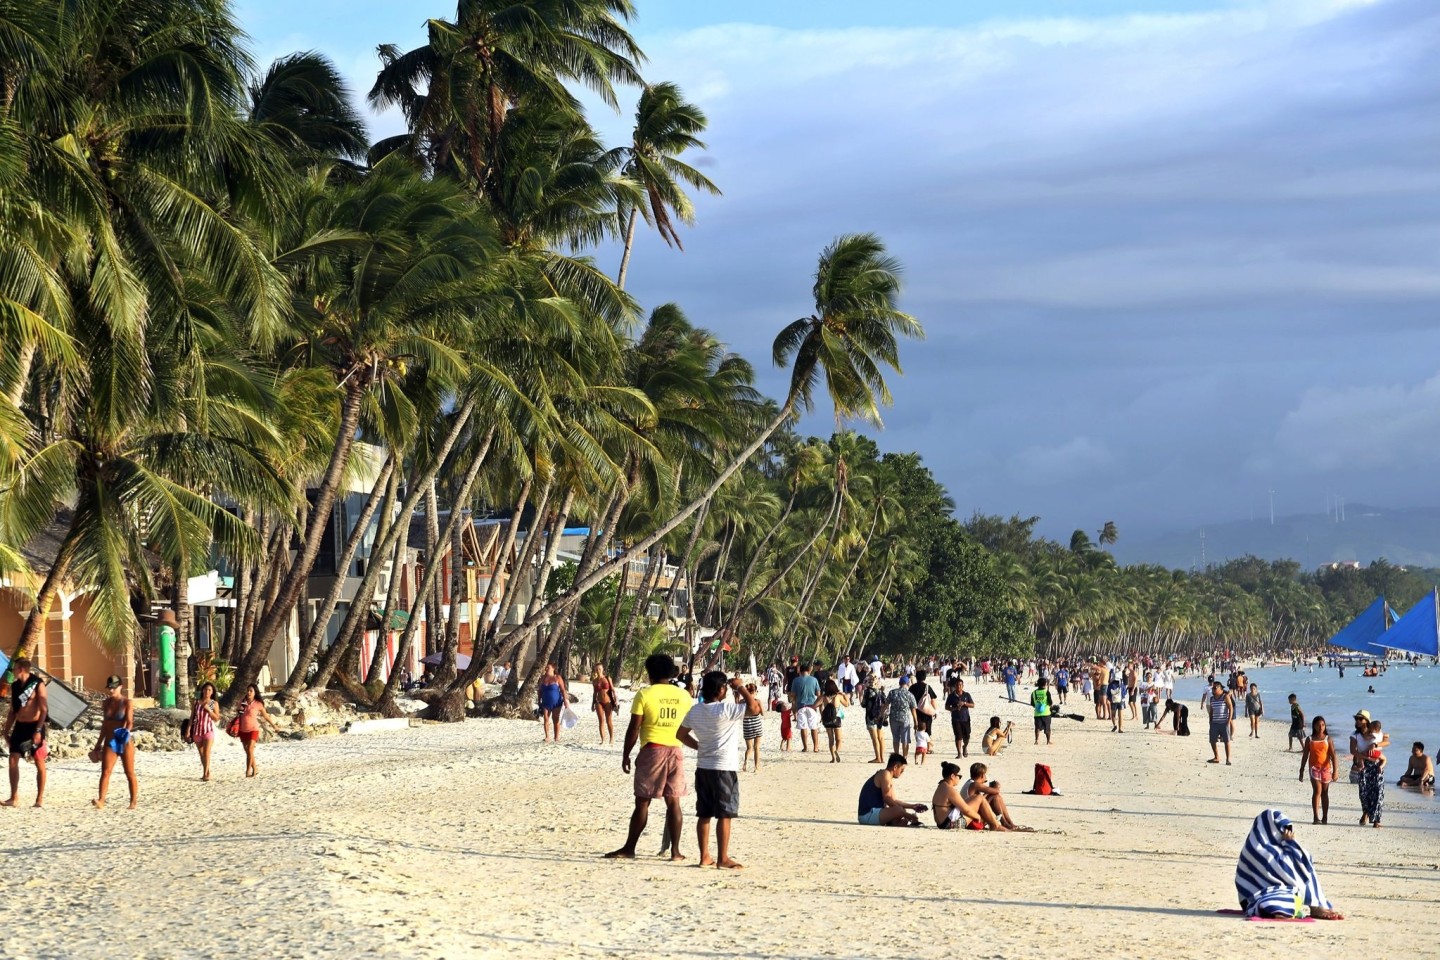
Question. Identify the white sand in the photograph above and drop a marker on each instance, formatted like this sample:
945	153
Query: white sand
478	840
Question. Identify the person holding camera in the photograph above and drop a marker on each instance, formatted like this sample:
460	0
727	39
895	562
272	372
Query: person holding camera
713	729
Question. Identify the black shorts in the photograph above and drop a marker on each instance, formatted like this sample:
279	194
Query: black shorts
1042	725
22	738
961	728
717	794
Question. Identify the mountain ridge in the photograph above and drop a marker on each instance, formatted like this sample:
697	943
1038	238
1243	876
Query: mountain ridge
1408	536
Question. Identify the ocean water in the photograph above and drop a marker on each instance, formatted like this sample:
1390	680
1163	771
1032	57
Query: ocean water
1406	701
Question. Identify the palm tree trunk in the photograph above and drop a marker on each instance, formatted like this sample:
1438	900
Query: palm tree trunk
34	630
185	616
629	245
432	550
388	485
399	577
433	564
642	605
520	572
610	567
277	613
459	595
479	642
24	359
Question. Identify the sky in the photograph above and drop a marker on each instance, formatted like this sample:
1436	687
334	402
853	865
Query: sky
1170	255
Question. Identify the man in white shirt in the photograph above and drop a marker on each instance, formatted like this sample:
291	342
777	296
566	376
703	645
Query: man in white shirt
877	671
712	728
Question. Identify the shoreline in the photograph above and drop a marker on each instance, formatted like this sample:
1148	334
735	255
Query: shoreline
475	839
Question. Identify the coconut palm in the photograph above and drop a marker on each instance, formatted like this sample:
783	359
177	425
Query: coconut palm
666	125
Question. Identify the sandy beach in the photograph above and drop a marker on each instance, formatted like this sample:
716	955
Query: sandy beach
478	840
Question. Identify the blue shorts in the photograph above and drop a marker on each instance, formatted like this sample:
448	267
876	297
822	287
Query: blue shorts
871	819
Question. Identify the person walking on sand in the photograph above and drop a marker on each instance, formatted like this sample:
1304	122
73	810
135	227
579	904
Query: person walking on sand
116	742
712	728
1222	714
1372	744
1254	709
1041	702
655	717
1297	724
805	691
602	701
25	728
251	715
752	727
553	698
959	704
1116	695
832	717
878	806
1318	757
204	714
877	717
902	718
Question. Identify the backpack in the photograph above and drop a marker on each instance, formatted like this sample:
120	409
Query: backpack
1044	783
828	716
876	708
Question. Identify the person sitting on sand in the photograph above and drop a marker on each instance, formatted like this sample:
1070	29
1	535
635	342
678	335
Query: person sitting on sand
116	742
655	716
1320	759
996	739
879	806
713	729
978	790
1421	770
953	812
1275	877
25	728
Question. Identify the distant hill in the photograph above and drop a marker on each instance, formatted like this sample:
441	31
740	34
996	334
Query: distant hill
1409	537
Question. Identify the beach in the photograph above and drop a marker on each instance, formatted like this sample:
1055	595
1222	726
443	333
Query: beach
478	840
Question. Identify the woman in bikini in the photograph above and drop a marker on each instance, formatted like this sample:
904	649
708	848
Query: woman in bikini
552	701
203	716
251	715
602	701
833	703
1317	755
117	718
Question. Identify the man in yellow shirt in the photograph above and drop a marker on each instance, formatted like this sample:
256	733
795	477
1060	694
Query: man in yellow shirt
660	769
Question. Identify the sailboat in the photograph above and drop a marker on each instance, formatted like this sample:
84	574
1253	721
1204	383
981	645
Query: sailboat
1418	631
1363	633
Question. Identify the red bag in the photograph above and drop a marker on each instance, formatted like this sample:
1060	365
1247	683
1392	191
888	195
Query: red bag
1044	783
234	727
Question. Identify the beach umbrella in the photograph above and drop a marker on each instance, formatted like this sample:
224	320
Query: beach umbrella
462	661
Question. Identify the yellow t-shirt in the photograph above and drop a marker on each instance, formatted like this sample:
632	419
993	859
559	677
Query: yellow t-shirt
661	707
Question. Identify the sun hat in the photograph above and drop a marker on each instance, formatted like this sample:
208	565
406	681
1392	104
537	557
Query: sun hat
1363	715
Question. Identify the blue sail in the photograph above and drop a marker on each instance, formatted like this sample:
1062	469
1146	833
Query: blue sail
1363	632
1418	631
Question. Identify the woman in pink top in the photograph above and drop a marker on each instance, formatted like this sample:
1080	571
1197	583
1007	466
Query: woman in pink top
251	715
202	725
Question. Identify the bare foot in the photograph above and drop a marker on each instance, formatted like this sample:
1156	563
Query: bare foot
132	804
620	855
1324	913
98	804
728	864
676	857
8	803
706	862
39	804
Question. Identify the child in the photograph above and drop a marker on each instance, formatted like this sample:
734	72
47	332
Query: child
1319	758
785	725
1116	696
1376	738
1297	724
1087	686
752	728
922	745
1254	708
1145	694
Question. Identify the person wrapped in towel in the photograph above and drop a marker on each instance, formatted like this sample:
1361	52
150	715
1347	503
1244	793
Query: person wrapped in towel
1275	877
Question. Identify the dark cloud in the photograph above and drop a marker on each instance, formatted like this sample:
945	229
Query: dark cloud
1164	263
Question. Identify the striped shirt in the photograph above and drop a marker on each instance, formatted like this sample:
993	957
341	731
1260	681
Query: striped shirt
1219	710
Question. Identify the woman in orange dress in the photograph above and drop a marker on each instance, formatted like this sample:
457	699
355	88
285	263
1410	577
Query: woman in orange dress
1318	757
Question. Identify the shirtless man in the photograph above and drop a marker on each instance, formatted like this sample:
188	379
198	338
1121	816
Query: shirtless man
25	729
1421	771
977	789
953	811
879	806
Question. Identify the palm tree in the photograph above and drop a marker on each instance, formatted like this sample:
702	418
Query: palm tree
666	125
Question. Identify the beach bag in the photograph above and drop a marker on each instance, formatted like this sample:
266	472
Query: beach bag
568	719
233	727
926	704
1044	782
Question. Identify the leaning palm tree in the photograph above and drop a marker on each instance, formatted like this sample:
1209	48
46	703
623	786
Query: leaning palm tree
666	125
853	332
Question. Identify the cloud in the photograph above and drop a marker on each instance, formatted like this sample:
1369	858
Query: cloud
1079	458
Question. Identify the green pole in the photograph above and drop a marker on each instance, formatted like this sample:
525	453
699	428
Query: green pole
165	689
